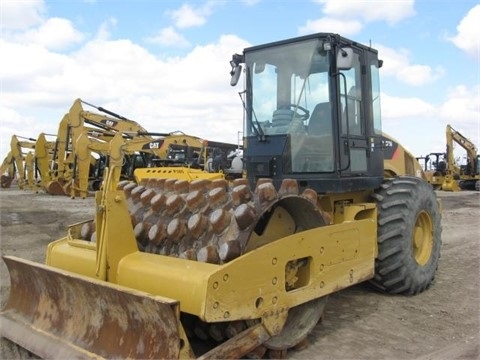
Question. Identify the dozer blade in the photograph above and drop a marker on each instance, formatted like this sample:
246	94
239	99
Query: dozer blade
57	314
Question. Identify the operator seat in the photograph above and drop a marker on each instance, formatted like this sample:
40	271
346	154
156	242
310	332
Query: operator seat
313	152
321	120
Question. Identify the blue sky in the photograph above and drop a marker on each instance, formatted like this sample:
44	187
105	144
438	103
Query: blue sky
165	63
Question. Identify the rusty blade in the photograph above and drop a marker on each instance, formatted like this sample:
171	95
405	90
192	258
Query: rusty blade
57	314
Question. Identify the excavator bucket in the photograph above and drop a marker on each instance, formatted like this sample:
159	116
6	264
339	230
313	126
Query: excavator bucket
58	314
55	187
6	181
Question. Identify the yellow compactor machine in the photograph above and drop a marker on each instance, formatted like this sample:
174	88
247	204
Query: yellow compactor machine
211	269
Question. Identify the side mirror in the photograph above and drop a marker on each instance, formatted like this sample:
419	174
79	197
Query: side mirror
236	72
344	58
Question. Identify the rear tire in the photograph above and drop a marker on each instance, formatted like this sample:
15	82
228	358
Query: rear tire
408	235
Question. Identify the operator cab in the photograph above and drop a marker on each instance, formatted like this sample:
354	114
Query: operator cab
312	112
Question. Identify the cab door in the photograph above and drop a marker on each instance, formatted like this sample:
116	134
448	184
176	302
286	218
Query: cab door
353	144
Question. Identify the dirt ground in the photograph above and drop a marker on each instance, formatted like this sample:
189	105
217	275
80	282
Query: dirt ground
360	323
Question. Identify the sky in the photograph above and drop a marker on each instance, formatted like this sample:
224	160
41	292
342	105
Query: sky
165	64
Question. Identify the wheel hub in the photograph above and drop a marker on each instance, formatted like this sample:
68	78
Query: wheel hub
423	238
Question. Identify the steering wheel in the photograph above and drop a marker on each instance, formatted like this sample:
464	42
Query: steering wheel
302	116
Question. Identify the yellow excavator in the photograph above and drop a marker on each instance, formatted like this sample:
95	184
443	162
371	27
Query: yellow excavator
184	155
142	156
63	169
14	166
82	149
7	171
43	157
211	269
461	177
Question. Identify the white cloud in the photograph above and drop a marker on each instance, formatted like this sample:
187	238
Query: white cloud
184	17
373	10
103	33
345	27
18	68
468	35
461	110
397	63
349	17
169	37
190	93
55	34
188	16
394	107
413	122
10	126
23	22
420	126
17	15
463	106
419	75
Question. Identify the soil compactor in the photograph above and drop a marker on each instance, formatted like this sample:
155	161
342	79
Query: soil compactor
176	269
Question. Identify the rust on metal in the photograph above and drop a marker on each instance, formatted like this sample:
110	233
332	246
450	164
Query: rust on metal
240	345
55	188
6	181
49	310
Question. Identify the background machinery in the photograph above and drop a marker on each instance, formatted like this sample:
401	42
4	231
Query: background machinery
467	175
43	154
435	169
212	160
81	150
176	269
442	171
14	166
73	164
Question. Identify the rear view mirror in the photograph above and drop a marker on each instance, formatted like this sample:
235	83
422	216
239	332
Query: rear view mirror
344	58
236	71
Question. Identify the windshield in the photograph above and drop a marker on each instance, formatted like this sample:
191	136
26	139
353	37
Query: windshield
290	95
